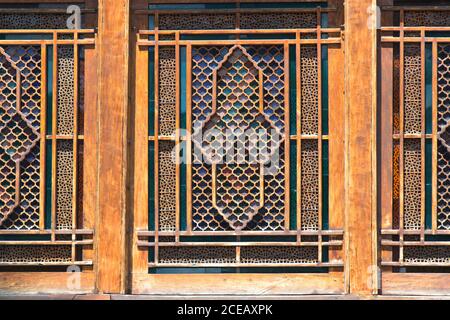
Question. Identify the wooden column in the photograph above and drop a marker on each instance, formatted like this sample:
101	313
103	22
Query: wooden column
113	52
360	65
336	120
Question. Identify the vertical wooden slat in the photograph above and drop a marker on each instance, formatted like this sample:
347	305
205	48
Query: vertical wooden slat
189	158
113	73
287	143
360	65
177	136
319	128
299	133
140	151
422	139
435	137
54	128
43	138
402	133
75	144
336	121
90	132
386	98
157	134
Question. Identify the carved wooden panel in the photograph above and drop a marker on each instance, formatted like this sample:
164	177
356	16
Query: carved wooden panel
227	156
41	139
418	226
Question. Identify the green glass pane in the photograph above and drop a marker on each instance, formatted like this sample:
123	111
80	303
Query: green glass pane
325	179
293	187
428	182
151	186
48	185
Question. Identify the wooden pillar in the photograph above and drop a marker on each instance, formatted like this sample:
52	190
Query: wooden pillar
336	114
361	102
113	57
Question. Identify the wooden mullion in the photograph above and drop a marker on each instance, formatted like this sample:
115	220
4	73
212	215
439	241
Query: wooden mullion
435	138
299	134
156	142
54	132
287	136
319	128
402	132
43	140
141	203
189	140
386	141
75	146
177	137
423	133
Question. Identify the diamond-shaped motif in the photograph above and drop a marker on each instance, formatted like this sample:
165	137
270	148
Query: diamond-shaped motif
18	136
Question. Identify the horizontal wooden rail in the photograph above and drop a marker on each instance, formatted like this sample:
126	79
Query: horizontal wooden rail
233	11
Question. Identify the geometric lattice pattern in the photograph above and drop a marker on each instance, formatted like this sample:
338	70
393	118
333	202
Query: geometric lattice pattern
414	219
19	128
238	205
216	21
37	178
236	99
444	137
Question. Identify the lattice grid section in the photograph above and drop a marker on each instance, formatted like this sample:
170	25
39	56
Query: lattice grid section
234	86
38	186
420	161
221	208
20	69
444	137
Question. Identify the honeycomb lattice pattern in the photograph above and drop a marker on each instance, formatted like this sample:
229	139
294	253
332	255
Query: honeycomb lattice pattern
310	185
213	21
197	255
65	111
396	93
232	112
309	73
19	125
35	254
444	137
196	21
300	255
412	184
396	185
64	184
167	91
427	18
278	21
413	89
429	254
33	21
167	186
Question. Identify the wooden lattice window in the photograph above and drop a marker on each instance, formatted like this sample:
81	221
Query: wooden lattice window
218	69
415	216
42	75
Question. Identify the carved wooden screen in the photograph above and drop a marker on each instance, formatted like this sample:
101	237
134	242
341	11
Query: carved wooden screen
42	95
415	153
221	70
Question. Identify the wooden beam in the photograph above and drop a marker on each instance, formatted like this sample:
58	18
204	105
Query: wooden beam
237	284
360	62
19	283
113	57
